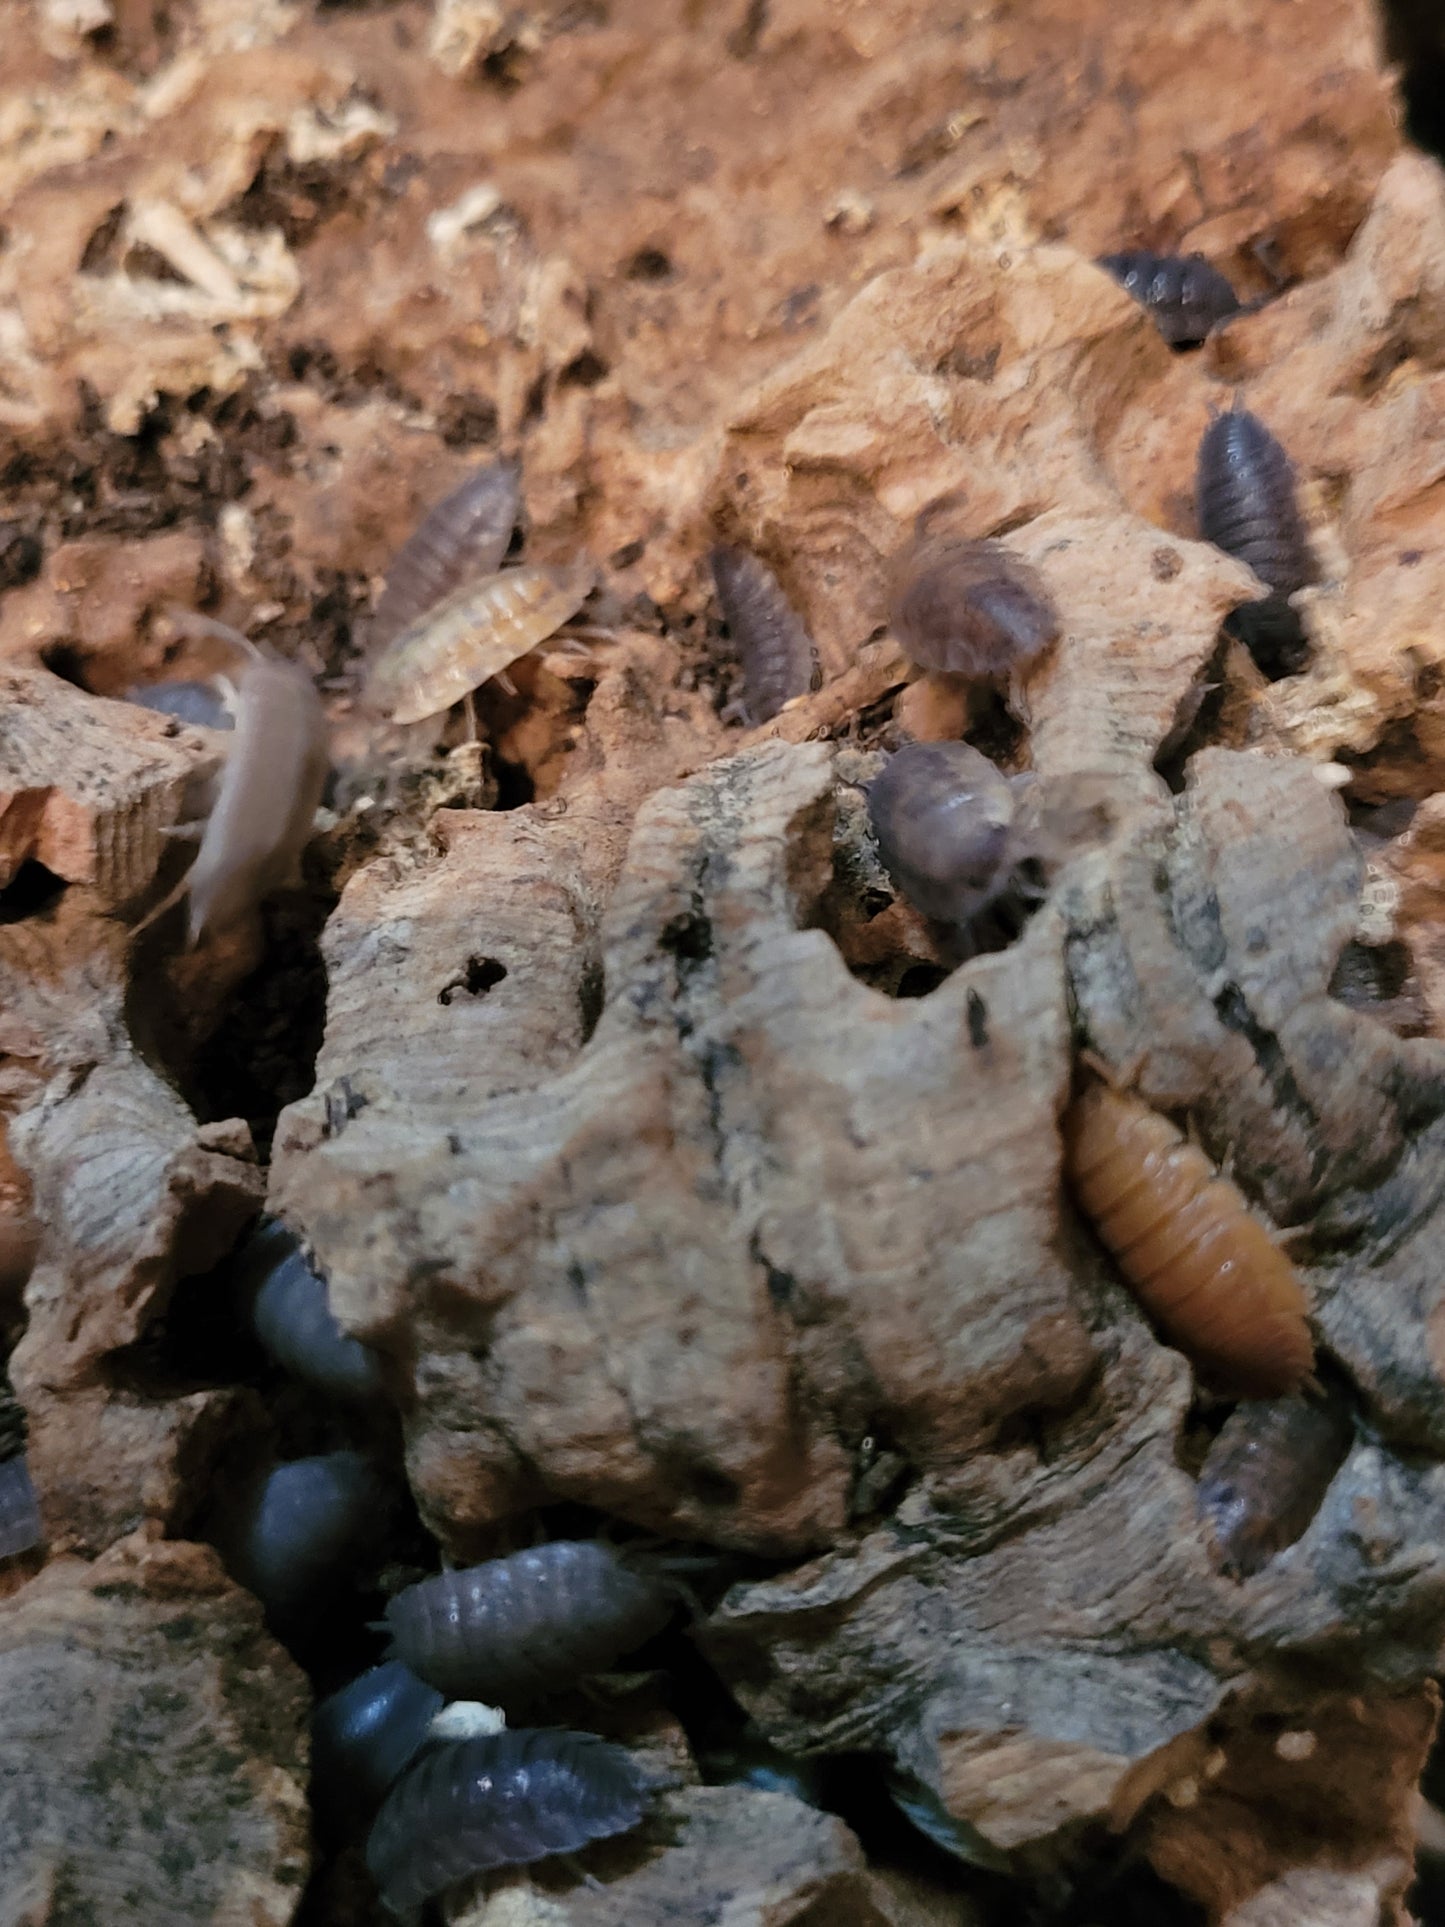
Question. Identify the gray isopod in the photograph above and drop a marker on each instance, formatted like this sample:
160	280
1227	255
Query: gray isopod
20	1523
970	608
774	649
1183	293
200	703
512	1630
466	1806
298	1528
289	1312
463	537
364	1736
1245	496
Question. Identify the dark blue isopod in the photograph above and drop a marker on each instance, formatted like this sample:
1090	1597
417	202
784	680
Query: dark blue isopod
461	539
466	1806
199	703
511	1630
290	1315
363	1737
1183	293
297	1530
20	1524
1245	497
773	647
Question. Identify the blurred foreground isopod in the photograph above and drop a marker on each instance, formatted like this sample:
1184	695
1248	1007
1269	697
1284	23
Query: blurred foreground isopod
1245	497
970	608
466	1806
773	647
294	1532
1266	1474
20	1524
454	648
514	1629
289	1313
364	1736
462	538
1185	295
1201	1265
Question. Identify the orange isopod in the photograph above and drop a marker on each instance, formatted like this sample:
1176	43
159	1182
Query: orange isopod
1202	1266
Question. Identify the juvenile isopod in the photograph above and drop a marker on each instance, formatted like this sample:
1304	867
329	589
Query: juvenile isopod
463	537
467	1806
266	802
775	650
1266	1474
947	826
512	1630
203	704
290	1315
364	1736
450	650
970	608
1245	497
1183	294
20	1524
295	1531
1201	1265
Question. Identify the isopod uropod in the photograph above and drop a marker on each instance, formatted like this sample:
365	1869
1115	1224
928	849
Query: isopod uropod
775	650
461	538
1245	496
1183	293
452	649
513	1629
1202	1266
947	829
1266	1474
970	608
20	1523
465	1806
291	1317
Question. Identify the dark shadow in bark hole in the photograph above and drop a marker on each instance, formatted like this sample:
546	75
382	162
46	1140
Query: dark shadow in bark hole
1414	32
31	892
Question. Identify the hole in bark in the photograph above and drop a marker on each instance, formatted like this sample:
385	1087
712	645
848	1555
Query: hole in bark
20	556
919	979
480	975
648	264
1379	979
67	663
713	1488
1415	38
583	372
31	891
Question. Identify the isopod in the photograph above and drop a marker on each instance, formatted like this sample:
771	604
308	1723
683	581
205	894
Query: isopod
1201	1265
467	1806
464	536
290	1315
1266	1474
297	1529
947	826
970	608
365	1736
1185	296
511	1630
203	704
775	650
1245	498
479	631
20	1524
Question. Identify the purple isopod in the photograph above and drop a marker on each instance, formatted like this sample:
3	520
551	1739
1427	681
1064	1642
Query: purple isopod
512	1630
1266	1474
969	608
1245	498
947	826
20	1525
463	537
466	1806
295	1530
1185	296
775	650
290	1315
364	1736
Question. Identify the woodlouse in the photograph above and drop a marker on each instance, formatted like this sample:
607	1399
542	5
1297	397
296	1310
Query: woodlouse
1202	1266
203	704
466	1806
970	608
20	1523
455	647
1245	498
774	649
947	829
296	1529
514	1629
364	1737
290	1315
461	538
1266	1474
1184	294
